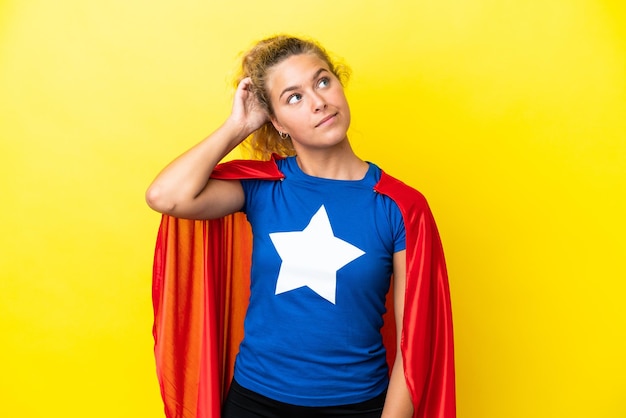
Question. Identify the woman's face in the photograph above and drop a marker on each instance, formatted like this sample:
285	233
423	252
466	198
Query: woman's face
308	102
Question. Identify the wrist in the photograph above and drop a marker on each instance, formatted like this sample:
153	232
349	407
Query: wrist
235	130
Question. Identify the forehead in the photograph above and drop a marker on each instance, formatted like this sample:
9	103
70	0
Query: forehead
294	71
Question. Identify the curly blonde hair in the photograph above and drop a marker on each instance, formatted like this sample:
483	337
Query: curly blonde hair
255	64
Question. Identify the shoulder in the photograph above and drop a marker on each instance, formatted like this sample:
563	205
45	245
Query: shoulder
248	169
404	195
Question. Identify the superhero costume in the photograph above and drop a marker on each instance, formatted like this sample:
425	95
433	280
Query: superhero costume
200	291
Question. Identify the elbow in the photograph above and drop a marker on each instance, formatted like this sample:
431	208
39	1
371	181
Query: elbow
157	201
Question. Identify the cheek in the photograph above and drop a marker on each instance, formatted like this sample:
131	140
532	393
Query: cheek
289	118
342	94
283	121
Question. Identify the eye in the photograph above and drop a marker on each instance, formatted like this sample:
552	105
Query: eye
324	82
294	98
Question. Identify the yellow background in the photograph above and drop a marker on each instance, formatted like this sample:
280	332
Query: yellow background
510	116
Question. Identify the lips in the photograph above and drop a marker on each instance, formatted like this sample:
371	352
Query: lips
326	119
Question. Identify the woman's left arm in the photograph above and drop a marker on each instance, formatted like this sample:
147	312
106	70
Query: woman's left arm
398	403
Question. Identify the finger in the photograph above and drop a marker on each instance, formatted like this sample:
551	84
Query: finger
245	84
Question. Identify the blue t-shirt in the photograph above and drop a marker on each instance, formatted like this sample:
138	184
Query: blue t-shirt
321	263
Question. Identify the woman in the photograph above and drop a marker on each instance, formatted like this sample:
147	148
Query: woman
326	240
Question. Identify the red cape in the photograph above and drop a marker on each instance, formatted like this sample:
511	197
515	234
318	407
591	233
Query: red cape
201	287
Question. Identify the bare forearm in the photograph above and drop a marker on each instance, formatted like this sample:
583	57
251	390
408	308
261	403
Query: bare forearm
398	403
183	187
185	177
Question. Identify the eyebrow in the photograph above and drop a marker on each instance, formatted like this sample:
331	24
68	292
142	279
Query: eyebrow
292	88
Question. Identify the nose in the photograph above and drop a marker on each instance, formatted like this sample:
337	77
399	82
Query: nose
319	102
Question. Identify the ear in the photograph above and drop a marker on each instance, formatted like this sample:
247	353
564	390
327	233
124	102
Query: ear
276	124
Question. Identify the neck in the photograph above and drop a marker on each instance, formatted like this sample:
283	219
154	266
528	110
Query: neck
338	163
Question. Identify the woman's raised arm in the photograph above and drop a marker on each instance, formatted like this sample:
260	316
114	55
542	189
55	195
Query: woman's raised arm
183	188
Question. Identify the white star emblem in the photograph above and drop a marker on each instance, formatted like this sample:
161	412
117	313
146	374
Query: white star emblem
312	257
